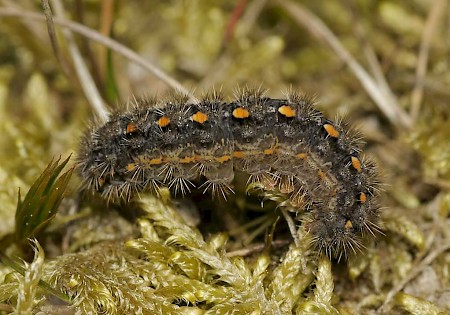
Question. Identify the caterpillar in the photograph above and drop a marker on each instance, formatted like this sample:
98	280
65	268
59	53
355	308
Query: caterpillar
282	144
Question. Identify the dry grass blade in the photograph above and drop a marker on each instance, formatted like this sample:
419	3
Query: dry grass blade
108	42
85	78
388	105
371	56
434	16
52	35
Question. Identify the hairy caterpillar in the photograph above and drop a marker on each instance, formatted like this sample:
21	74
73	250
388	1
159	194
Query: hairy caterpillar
283	144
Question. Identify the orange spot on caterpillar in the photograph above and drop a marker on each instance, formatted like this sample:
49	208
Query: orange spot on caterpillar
156	161
131	167
238	154
287	111
348	225
187	159
200	117
163	121
198	158
332	132
362	197
223	158
356	164
269	151
301	156
131	128
322	174
241	113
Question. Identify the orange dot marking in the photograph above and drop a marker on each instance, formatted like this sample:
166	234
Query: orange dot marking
155	161
238	154
356	164
301	156
240	113
131	128
332	132
362	197
187	159
223	158
286	111
269	151
199	117
198	158
131	167
322	174
163	121
348	225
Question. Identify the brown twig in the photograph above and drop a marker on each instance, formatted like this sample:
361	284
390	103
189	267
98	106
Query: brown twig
105	29
231	26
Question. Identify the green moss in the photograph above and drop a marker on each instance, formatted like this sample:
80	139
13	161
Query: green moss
144	257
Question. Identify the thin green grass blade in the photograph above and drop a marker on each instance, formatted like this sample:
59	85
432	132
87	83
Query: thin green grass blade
41	203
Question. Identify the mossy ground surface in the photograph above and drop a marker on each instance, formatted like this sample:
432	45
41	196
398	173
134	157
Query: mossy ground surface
383	65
